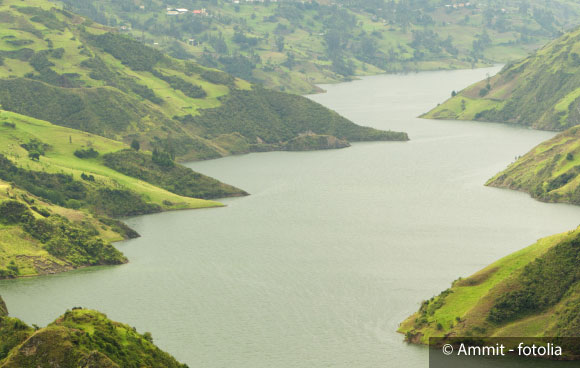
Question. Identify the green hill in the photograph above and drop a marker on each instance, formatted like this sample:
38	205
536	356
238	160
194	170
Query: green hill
59	67
79	338
293	45
530	293
549	172
540	91
59	188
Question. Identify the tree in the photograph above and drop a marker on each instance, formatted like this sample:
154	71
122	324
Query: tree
280	43
135	145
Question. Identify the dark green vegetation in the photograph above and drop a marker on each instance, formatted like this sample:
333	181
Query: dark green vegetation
174	178
292	45
78	245
79	338
533	292
280	118
549	172
65	191
79	74
540	91
541	285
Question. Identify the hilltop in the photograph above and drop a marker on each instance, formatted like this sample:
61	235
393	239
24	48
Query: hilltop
66	69
294	45
540	91
530	293
79	338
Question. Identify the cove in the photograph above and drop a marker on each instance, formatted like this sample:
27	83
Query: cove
332	249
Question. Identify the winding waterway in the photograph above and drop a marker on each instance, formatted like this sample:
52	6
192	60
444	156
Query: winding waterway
333	248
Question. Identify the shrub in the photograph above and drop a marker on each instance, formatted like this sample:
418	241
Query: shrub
87	153
14	212
135	145
87	177
35	145
34	155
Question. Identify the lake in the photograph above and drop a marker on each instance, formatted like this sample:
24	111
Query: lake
332	250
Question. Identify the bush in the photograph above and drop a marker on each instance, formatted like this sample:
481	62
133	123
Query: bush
34	155
86	153
14	212
87	177
35	145
135	145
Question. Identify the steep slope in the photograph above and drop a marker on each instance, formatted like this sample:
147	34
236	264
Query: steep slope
79	338
540	91
549	172
63	68
293	45
532	292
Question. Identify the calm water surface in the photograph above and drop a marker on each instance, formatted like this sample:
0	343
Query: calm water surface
330	252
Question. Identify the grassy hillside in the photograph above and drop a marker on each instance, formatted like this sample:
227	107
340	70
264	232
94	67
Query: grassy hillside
530	293
35	239
540	91
293	45
79	338
549	172
59	67
59	157
59	188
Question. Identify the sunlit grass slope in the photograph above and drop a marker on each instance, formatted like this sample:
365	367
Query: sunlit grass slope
549	172
60	158
540	91
532	292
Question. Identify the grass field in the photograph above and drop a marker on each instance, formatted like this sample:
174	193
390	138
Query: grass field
60	157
